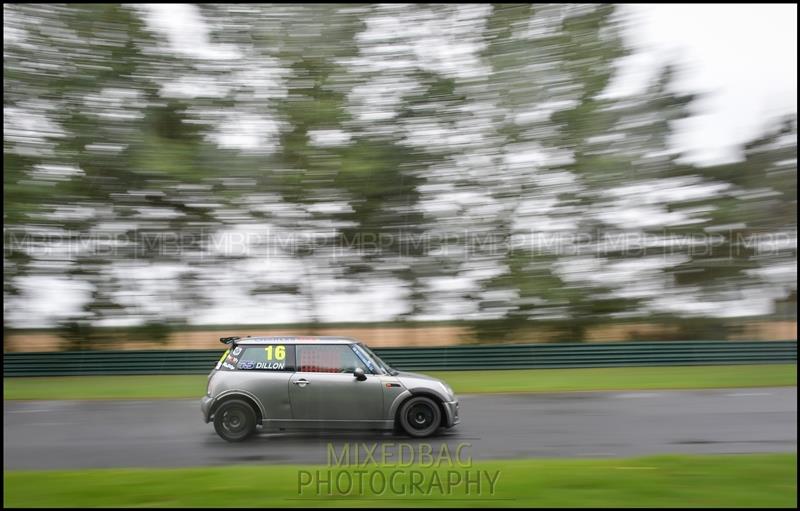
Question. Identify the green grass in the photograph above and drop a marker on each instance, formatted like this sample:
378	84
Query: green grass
621	378
463	382
763	480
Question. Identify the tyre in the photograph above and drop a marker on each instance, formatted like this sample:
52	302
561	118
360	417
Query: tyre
235	420
420	416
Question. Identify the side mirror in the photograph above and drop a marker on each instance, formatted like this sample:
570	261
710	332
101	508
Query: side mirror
359	374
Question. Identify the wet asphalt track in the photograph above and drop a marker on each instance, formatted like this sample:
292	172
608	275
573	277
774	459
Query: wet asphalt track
73	434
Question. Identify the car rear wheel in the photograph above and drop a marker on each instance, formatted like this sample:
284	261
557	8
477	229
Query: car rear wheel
420	416
235	420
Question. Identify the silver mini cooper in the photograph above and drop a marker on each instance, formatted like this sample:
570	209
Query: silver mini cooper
284	383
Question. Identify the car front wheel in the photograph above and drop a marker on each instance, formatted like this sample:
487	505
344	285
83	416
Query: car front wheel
420	416
234	420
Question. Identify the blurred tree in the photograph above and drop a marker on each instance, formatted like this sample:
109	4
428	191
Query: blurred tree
349	187
746	234
562	58
104	175
467	155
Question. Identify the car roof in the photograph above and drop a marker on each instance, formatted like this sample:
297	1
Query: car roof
300	339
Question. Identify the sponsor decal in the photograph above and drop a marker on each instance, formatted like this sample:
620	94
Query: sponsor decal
237	350
247	364
271	365
225	364
231	359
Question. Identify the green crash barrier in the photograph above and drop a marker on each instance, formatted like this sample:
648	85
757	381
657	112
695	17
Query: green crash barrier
516	356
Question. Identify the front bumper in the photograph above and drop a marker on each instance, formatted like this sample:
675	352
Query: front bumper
205	406
451	410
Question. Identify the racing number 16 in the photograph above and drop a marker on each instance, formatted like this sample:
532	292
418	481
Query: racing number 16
280	352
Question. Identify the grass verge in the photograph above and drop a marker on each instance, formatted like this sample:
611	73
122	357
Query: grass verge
463	382
757	480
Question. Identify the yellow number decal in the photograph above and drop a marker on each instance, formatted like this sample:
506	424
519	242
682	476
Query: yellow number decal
280	352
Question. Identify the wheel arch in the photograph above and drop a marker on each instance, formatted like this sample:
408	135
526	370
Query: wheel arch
240	395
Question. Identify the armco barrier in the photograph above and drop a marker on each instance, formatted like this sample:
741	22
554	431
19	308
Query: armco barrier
517	356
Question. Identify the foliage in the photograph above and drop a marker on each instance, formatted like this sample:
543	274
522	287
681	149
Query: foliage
465	160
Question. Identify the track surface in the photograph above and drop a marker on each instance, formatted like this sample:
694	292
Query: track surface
82	434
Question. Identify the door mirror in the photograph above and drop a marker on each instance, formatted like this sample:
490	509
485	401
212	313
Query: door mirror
359	374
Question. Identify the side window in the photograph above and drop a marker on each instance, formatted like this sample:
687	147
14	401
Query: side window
362	355
265	357
327	358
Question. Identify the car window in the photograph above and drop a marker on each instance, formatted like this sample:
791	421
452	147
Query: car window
384	367
264	357
327	358
365	358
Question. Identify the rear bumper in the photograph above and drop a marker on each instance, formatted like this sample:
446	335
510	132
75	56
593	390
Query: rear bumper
451	410
205	407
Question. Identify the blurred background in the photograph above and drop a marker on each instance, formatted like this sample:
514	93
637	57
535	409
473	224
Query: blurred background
405	174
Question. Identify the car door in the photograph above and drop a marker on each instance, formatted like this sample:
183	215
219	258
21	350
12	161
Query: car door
324	393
